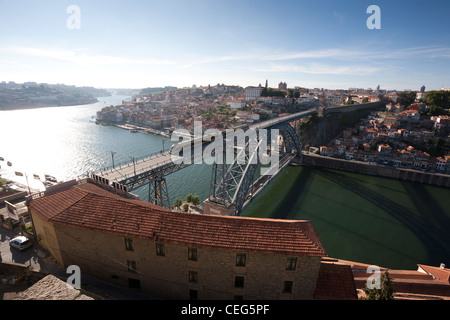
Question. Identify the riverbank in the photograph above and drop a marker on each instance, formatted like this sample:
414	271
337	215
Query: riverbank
135	128
436	179
28	105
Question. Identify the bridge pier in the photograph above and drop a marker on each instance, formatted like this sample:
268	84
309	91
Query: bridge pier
158	193
218	208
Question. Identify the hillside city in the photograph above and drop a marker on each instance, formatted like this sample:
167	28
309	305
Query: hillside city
407	134
400	137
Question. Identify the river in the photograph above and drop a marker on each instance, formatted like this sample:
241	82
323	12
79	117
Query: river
66	143
372	220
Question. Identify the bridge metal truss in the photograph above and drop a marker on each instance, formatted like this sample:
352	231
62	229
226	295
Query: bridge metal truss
232	185
158	193
157	186
143	178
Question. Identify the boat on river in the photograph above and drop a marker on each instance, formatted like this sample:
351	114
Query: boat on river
50	178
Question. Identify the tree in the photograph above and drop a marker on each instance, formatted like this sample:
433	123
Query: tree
178	203
385	292
195	200
186	207
269	92
406	98
436	98
436	111
189	198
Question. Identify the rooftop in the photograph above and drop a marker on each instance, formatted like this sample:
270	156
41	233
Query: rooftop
335	282
87	205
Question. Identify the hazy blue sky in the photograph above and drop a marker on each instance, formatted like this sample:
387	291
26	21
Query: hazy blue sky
135	44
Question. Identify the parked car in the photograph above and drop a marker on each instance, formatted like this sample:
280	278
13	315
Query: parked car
20	243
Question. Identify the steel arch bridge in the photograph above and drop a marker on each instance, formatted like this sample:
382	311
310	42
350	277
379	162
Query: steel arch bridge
233	184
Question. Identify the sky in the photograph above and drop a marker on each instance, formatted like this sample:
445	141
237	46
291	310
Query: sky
152	43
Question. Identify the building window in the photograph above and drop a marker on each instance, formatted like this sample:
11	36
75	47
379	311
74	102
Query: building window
129	244
287	286
291	263
238	298
240	259
193	277
131	266
134	283
192	254
160	249
239	282
193	294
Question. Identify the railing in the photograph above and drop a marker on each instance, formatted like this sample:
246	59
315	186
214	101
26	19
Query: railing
271	122
127	163
142	170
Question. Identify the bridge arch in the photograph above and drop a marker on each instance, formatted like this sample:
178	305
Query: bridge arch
290	137
234	184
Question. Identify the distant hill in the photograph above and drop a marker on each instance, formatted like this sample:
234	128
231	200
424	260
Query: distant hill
124	91
147	91
35	95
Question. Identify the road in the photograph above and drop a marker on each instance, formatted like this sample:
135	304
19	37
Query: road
33	257
41	261
133	168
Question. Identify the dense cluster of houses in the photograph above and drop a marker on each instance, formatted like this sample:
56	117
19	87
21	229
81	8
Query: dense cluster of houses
397	137
171	109
178	108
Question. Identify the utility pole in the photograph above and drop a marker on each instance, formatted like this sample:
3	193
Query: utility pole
112	155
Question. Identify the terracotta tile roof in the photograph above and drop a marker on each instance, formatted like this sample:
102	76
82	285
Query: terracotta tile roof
441	274
405	282
89	206
335	282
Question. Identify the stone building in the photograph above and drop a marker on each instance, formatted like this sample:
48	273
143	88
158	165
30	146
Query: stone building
177	255
252	93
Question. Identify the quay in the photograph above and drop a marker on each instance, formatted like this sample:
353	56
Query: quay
436	179
135	128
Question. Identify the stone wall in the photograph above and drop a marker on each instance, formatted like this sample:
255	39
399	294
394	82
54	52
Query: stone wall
51	288
334	120
104	255
355	107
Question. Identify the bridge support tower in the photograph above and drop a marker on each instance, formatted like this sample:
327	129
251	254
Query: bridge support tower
234	185
158	193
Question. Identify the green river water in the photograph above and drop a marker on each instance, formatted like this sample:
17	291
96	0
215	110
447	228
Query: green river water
375	220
